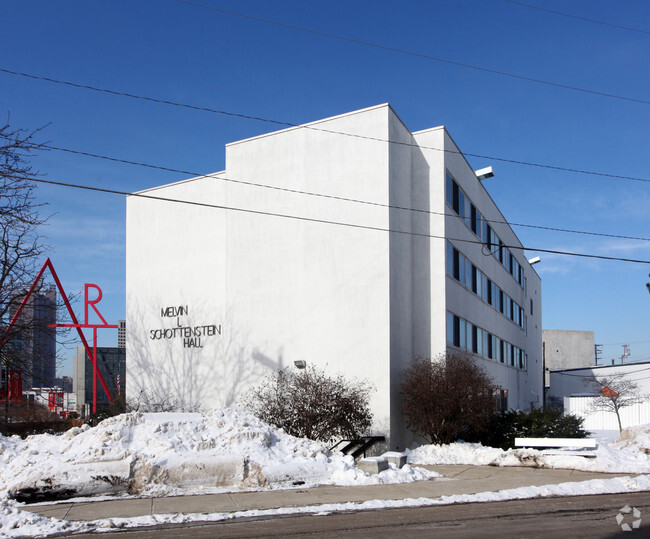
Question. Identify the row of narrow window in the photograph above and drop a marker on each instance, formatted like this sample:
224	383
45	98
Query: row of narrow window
466	273
462	205
466	336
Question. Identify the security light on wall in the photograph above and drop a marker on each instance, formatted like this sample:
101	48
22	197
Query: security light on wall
484	173
533	261
300	364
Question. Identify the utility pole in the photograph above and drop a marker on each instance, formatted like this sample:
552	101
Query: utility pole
626	352
598	353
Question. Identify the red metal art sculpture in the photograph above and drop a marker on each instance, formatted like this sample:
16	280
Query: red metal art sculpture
92	352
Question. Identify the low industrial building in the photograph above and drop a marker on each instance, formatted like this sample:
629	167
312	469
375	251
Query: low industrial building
575	390
349	243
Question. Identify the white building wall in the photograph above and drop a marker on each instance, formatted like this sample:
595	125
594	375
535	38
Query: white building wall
429	168
631	416
281	289
276	289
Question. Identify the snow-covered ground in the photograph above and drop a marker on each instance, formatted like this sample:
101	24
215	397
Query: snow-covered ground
164	454
629	455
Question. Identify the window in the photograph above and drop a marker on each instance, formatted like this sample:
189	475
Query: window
474	339
461	202
531	306
484	287
475	286
450	328
470	337
517	356
463	334
461	267
450	259
450	191
526	324
525	286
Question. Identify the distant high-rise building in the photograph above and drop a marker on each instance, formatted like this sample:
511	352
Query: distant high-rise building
111	362
65	383
121	334
35	343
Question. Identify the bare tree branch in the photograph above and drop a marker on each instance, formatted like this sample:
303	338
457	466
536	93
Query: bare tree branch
21	254
615	392
447	397
311	404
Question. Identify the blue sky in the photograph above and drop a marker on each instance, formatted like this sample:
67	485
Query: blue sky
189	54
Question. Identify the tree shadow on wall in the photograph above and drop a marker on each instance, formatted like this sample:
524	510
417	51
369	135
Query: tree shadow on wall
164	375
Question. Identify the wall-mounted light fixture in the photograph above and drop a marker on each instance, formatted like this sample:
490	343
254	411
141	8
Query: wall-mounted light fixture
300	364
484	173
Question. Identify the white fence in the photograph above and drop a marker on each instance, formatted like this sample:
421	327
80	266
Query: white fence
637	414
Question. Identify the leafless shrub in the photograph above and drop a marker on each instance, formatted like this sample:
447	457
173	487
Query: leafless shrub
146	401
310	404
447	398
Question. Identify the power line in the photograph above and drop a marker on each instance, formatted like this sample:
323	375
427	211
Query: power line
418	54
625	342
320	129
564	14
315	220
334	197
562	373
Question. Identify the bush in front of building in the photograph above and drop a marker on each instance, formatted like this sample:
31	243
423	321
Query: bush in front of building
538	423
116	407
447	398
310	404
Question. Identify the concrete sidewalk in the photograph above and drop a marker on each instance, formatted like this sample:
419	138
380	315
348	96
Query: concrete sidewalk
459	479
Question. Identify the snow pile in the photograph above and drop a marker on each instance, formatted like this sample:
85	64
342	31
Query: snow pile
631	454
636	439
162	454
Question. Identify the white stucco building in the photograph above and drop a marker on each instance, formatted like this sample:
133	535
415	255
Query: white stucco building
327	244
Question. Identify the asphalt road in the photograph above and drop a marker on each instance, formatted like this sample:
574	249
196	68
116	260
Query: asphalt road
578	516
